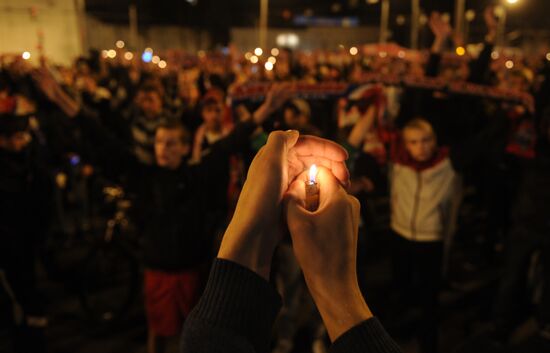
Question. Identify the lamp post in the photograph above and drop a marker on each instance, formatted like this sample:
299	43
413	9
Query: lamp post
415	17
264	11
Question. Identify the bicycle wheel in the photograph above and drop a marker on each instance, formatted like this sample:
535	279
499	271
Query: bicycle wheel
109	282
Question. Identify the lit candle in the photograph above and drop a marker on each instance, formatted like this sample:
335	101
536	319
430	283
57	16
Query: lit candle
312	190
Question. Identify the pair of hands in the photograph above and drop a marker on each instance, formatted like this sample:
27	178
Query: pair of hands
324	241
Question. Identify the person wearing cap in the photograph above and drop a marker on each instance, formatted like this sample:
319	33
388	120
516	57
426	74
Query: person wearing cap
24	195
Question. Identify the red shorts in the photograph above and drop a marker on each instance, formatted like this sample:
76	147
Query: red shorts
169	297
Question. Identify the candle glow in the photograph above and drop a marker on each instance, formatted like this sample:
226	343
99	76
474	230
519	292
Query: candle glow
313	174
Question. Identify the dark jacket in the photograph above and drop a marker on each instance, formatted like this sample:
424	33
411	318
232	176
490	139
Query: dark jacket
173	206
237	311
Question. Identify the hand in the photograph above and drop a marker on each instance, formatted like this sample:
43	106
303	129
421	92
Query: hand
256	227
278	94
439	27
325	244
46	83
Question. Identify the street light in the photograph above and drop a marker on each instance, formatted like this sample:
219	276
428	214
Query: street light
512	2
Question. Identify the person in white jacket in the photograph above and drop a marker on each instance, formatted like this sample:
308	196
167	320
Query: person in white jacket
425	194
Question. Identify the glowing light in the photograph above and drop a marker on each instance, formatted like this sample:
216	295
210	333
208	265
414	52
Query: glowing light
120	44
272	59
548	56
155	59
460	51
201	53
509	64
254	59
162	64
147	56
148	50
512	2
400	20
372	2
268	65
258	51
401	54
383	54
313	173
495	55
274	51
470	15
128	55
26	55
111	53
248	55
104	53
353	50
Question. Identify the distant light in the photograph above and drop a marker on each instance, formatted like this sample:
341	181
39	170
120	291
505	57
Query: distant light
162	64
512	1
26	55
258	51
272	59
446	17
148	50
401	54
341	46
248	55
548	56
470	15
353	50
423	19
201	53
400	20
495	55
268	66
509	64
128	55
274	51
155	59
147	56
120	44
372	2
254	59
460	51
111	53
288	40
383	54
104	53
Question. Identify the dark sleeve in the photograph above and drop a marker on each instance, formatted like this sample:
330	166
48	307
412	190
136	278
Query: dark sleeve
216	158
111	152
432	68
367	337
480	67
235	314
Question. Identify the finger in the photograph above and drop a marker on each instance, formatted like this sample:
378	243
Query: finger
282	141
315	146
329	187
339	169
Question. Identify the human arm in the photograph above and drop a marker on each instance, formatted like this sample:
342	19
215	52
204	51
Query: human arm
238	307
480	66
325	244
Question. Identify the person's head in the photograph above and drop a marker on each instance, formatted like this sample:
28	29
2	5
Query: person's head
420	140
296	114
14	134
172	144
212	112
149	100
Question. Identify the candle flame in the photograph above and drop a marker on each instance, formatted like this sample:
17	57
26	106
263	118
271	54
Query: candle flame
313	173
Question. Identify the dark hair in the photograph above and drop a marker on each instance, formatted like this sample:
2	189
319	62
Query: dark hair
11	124
150	86
172	124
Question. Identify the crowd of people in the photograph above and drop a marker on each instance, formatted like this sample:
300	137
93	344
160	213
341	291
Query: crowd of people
178	140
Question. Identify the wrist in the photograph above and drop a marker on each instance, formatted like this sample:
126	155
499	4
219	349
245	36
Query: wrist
248	249
341	307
